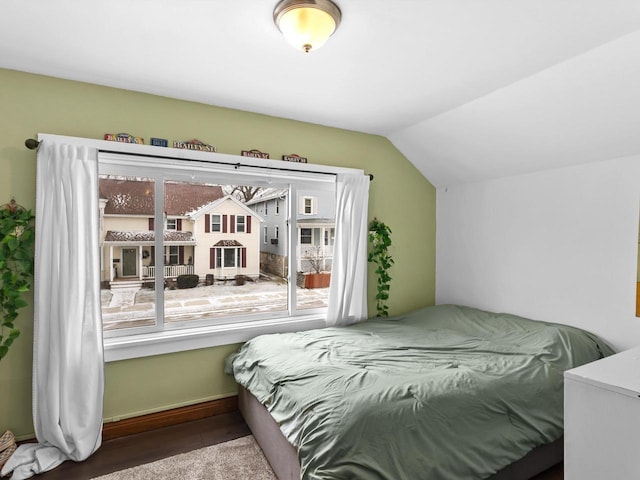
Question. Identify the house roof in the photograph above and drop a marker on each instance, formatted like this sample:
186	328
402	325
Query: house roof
133	197
302	220
216	203
268	194
169	236
228	243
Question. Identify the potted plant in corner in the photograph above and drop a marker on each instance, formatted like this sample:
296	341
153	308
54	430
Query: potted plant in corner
317	278
380	240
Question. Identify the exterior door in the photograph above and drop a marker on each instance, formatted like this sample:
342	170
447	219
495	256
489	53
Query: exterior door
129	262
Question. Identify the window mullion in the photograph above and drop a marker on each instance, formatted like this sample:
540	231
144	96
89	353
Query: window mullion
159	250
291	247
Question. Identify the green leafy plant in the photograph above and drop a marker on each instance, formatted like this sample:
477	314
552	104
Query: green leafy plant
16	268
380	240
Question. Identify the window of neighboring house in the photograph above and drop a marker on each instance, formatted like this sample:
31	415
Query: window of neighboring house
173	255
216	223
266	207
306	236
240	223
308	206
229	257
277	206
139	191
218	254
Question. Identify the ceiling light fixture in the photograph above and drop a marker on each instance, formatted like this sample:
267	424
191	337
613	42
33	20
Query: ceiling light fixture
307	24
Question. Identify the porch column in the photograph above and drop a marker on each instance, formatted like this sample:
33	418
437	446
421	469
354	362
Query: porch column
110	263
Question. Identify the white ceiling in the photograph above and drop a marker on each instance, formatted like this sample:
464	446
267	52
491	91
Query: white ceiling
466	89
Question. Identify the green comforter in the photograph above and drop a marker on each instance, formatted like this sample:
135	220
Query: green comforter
445	392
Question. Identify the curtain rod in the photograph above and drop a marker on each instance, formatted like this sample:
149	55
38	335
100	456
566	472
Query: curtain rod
33	144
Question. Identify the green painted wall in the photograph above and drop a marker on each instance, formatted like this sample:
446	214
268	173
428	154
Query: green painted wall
31	104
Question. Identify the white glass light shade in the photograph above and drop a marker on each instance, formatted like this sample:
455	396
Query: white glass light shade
307	25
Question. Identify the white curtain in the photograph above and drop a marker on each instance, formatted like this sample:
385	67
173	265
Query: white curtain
348	290
68	371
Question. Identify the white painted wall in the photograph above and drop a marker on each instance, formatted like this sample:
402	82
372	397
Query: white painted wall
559	245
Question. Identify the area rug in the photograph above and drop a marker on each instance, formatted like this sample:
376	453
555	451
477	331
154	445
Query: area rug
239	459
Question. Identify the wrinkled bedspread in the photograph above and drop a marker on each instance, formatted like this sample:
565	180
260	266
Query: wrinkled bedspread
445	392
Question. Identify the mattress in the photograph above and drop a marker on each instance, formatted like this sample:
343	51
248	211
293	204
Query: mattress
444	392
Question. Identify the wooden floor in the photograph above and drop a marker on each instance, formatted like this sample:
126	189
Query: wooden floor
126	452
141	448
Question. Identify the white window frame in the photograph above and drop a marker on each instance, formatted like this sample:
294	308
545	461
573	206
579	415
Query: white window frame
215	223
300	242
172	251
265	234
149	161
172	224
309	205
276	232
229	257
277	206
218	253
242	223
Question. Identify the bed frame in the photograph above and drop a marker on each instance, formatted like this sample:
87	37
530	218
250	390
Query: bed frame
283	457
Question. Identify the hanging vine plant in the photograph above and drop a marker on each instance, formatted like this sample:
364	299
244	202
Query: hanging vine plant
380	240
16	267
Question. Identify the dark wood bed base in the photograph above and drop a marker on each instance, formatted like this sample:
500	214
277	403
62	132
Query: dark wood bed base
283	457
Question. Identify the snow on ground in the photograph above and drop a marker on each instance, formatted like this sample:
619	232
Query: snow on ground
129	307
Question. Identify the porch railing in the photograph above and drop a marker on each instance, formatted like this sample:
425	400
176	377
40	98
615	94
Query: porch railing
170	271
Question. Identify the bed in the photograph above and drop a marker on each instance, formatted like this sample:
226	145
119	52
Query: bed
442	393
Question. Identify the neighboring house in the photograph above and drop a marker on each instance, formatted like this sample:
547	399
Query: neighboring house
228	239
315	219
205	232
271	205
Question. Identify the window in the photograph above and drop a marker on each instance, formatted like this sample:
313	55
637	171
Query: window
229	257
173	257
208	235
277	206
240	223
308	205
306	236
216	225
266	207
218	256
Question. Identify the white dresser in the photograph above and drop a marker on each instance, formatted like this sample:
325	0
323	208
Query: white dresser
602	419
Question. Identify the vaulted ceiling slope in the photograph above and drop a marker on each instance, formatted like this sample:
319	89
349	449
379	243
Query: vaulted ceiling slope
467	90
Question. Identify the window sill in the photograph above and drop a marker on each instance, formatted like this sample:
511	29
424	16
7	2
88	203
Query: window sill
170	341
